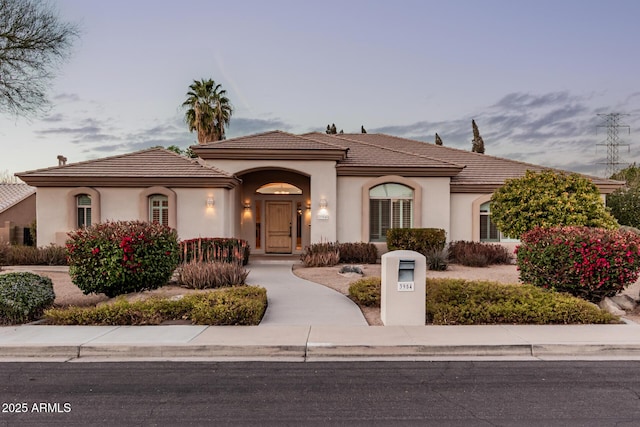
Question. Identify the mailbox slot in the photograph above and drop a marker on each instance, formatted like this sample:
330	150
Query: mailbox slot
406	270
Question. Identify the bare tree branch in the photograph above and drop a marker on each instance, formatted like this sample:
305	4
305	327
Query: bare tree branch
33	43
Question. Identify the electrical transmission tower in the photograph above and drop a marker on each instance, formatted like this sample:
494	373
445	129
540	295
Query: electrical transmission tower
612	123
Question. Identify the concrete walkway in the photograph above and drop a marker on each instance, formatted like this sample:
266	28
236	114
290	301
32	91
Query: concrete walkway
295	301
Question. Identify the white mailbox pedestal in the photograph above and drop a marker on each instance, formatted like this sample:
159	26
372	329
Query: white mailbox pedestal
403	293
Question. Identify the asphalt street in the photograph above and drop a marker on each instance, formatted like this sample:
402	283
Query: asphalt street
321	393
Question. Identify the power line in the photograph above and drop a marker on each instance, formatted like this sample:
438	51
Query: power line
612	123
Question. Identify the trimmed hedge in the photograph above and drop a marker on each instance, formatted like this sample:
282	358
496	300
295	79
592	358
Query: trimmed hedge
422	240
215	249
358	253
241	305
120	257
462	302
24	296
591	263
327	254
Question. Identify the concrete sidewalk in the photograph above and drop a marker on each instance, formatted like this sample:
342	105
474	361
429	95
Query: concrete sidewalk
318	343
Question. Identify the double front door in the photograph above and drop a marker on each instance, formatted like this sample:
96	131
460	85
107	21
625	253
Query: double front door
279	216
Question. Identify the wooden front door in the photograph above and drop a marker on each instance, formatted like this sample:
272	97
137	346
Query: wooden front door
279	227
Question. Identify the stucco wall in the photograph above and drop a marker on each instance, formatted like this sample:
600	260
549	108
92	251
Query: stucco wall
435	208
462	216
193	217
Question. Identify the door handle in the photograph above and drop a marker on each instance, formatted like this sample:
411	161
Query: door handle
289	229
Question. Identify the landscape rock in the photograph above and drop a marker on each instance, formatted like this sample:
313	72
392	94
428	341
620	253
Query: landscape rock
625	302
608	305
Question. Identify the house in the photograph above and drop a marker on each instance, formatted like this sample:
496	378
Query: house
281	191
17	212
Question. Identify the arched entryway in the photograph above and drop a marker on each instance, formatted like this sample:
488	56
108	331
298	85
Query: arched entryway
276	214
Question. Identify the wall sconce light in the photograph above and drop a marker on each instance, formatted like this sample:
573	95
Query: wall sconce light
308	206
210	202
323	203
247	206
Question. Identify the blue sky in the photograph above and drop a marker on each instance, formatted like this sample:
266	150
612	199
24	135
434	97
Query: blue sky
533	74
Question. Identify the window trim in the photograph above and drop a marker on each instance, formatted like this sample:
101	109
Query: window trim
72	206
475	222
389	179
144	204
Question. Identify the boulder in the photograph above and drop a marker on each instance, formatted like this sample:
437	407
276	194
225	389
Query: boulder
608	305
624	301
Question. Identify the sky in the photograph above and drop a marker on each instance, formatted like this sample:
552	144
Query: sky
534	74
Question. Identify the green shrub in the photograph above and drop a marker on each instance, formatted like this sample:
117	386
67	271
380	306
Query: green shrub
215	249
625	206
358	253
24	296
437	259
242	305
206	275
460	302
366	291
478	254
591	263
116	258
548	199
325	254
422	240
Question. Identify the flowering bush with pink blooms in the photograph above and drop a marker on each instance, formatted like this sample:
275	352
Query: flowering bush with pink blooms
591	263
119	257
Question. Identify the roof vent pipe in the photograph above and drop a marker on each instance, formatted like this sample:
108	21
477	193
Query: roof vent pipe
62	160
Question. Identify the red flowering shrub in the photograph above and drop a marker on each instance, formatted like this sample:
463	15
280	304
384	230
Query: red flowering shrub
116	258
591	263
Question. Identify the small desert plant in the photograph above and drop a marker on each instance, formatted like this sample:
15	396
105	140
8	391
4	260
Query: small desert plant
321	255
358	253
437	259
24	296
116	258
206	275
215	249
366	291
244	305
478	254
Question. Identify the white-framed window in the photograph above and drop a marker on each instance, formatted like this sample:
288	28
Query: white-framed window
390	206
488	230
159	209
83	206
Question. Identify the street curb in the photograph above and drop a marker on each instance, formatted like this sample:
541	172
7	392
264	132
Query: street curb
311	350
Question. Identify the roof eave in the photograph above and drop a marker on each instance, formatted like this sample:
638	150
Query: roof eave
399	170
128	182
269	154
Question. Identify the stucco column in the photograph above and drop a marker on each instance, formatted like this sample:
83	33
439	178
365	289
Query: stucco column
324	203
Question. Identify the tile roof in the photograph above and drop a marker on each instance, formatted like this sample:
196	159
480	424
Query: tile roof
153	164
12	194
479	169
273	140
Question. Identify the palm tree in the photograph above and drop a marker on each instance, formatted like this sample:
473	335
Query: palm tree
209	110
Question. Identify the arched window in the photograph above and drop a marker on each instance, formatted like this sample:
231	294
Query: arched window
83	209
159	209
390	206
488	230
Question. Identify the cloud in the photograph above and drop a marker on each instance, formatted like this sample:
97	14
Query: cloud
245	126
542	128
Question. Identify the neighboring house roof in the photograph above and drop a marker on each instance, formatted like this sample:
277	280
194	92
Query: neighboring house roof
12	194
153	166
